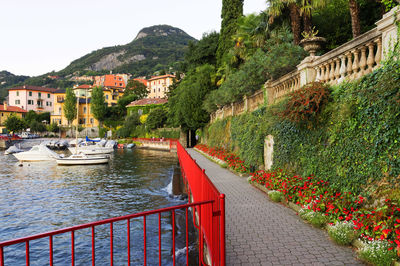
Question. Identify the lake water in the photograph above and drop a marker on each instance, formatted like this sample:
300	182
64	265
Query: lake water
39	197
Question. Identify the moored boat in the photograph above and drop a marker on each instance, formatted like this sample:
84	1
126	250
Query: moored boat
37	153
83	159
91	150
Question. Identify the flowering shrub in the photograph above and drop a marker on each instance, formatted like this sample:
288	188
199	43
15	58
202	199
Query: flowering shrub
378	252
233	161
343	233
323	204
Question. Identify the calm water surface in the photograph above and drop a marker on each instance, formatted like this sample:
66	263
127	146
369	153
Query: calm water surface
39	197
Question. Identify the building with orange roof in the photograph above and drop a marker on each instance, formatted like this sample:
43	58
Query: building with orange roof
143	81
26	97
158	86
143	106
6	111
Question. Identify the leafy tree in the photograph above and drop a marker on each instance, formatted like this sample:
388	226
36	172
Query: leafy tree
69	107
36	126
231	11
157	118
53	127
14	123
98	102
185	103
136	88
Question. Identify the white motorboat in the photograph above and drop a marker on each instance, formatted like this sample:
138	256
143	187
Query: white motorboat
91	150
12	149
37	153
83	159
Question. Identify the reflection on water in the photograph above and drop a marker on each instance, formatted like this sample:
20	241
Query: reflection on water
39	197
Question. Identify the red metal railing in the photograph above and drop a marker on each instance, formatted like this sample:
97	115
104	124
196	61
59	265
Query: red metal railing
200	188
127	218
207	205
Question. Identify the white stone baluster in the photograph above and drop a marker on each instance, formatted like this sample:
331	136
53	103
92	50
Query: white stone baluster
355	64
349	68
342	70
326	79
378	55
371	58
332	72
337	69
363	61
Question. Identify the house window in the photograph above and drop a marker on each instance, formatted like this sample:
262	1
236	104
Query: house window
40	94
17	93
59	110
39	103
158	89
106	97
84	110
17	102
91	120
30	93
48	95
30	102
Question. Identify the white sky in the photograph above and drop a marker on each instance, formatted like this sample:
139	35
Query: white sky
38	36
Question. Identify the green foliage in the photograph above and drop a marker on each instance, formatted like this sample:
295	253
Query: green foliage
53	127
136	88
231	11
317	219
69	107
275	195
99	107
130	124
115	116
378	253
14	124
145	108
201	52
278	57
157	118
342	233
36	126
185	103
389	4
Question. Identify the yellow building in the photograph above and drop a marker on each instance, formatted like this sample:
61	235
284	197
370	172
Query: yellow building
6	111
83	92
158	86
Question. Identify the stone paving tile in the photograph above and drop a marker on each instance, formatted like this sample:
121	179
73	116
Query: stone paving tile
260	232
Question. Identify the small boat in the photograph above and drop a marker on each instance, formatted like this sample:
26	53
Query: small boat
91	150
12	149
37	153
83	159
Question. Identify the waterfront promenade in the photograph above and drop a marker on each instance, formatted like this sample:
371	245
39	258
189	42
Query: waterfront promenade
261	232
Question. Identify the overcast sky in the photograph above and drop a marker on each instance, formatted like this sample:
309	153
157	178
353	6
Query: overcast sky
38	36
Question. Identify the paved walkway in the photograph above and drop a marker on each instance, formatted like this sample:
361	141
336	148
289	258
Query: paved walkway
260	232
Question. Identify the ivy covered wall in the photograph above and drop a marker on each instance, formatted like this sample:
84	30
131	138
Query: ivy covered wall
353	142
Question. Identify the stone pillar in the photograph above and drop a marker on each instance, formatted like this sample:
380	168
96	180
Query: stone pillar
308	73
389	29
246	106
182	138
269	99
268	151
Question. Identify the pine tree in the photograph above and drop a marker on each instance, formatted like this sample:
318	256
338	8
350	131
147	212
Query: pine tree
231	11
70	105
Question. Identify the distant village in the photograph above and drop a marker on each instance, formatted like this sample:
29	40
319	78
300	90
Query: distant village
23	99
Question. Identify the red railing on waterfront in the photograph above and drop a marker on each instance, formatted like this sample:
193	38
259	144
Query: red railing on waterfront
200	188
207	205
72	230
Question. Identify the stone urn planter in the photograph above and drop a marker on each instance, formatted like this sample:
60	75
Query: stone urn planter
312	44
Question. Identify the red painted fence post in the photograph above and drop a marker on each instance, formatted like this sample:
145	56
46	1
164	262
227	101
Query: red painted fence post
222	228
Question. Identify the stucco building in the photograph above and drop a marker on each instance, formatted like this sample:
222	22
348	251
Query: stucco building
26	97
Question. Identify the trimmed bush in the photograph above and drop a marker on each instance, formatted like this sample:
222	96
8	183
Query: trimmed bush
378	253
275	195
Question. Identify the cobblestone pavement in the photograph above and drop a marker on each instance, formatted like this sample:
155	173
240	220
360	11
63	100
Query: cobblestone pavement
261	232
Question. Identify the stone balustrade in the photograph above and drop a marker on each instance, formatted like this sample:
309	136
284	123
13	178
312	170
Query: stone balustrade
348	62
278	88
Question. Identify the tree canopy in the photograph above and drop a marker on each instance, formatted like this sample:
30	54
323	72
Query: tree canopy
14	123
98	104
69	107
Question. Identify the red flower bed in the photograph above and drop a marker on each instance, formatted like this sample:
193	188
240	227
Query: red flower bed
372	223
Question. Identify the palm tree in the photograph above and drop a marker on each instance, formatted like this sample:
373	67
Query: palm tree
298	9
355	17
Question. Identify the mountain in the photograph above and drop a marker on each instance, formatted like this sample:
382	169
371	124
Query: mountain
154	48
8	79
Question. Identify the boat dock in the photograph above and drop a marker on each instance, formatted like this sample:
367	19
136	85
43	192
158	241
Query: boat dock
261	232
